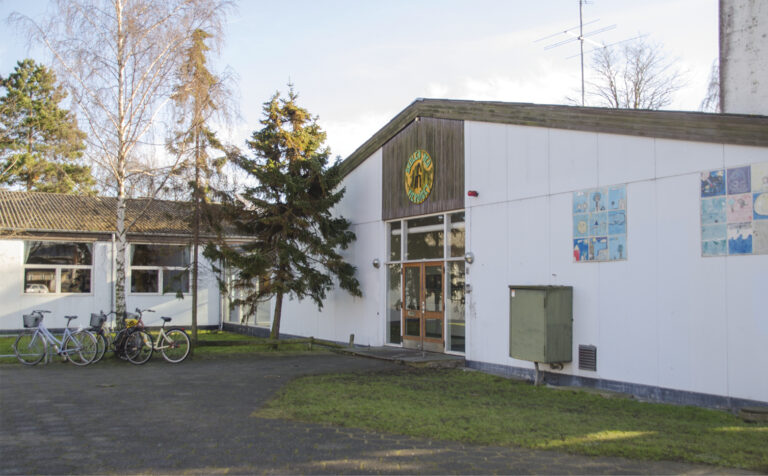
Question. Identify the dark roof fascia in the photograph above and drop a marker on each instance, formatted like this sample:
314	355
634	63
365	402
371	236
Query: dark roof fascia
12	234
736	129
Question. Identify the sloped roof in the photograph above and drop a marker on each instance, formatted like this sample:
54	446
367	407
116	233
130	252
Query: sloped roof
54	212
738	129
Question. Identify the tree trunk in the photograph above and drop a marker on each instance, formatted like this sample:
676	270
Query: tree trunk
122	245
196	244
275	334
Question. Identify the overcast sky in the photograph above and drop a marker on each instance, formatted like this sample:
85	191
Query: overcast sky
357	63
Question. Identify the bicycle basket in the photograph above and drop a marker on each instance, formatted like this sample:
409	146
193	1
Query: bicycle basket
32	320
131	322
97	319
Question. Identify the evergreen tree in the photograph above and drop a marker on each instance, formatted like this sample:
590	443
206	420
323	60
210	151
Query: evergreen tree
288	212
199	94
40	143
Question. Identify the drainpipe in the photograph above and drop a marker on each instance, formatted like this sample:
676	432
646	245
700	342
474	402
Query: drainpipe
112	271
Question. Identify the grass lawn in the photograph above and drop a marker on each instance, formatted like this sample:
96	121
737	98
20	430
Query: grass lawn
212	344
483	409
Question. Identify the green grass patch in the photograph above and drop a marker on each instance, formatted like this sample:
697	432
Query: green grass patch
482	409
211	344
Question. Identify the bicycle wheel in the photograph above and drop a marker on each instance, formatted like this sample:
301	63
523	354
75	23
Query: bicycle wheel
175	345
138	347
102	344
29	348
79	347
118	343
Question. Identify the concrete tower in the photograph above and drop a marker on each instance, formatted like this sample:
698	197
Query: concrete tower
744	56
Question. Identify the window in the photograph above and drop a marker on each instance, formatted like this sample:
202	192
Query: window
160	267
57	267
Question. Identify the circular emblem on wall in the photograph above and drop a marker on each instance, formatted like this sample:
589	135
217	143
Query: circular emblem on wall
419	176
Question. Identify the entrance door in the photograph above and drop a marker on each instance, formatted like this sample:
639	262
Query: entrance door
423	306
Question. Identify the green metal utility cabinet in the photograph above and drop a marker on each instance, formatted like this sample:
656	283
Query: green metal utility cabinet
541	323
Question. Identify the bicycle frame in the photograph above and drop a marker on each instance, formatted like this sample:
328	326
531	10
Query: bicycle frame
51	340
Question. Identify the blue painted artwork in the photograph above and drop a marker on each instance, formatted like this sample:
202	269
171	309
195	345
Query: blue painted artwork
740	239
617	222
712	210
581	250
714	248
598	224
713	183
760	206
617	247
717	232
617	198
581	225
739	180
597	200
598	248
580	204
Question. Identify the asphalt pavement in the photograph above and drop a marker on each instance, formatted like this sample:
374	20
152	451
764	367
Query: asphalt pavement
197	418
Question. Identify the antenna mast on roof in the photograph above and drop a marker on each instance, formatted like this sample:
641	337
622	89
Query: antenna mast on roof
581	38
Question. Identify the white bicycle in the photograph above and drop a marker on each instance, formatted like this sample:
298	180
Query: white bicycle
31	347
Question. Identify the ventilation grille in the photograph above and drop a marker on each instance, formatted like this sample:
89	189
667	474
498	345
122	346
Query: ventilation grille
588	357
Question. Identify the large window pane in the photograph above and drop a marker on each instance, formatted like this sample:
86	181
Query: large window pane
52	252
144	281
395	237
433	289
160	255
433	328
425	238
75	280
175	281
40	281
394	304
455	306
456	235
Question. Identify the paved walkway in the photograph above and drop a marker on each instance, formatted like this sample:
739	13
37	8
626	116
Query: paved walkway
195	418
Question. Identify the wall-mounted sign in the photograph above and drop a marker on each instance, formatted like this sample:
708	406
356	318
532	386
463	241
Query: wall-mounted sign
419	176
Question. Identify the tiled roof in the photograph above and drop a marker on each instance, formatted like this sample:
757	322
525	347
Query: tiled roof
53	212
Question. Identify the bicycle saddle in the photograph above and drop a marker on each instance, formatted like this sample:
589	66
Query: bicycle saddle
166	319
70	317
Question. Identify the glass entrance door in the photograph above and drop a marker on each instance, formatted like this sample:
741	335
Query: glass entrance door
423	306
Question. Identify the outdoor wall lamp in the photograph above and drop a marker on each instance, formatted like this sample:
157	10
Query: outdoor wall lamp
376	263
469	257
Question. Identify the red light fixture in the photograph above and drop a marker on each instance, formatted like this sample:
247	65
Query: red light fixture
472	193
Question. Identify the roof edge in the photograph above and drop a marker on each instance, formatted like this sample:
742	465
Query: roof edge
735	129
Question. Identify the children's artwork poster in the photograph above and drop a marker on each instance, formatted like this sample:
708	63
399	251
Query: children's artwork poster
600	224
734	211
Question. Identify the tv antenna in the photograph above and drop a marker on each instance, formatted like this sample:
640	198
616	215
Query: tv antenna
581	38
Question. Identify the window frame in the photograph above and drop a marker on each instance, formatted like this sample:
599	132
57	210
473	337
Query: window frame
57	269
160	271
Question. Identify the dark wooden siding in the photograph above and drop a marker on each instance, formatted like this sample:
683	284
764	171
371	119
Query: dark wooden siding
443	139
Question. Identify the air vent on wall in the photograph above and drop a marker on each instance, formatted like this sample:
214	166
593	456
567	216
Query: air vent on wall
588	357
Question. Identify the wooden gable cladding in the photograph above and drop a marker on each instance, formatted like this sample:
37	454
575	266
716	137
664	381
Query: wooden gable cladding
443	140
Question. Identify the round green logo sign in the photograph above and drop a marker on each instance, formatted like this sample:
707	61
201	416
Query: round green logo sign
419	176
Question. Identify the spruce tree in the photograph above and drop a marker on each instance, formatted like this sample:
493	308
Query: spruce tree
296	252
40	143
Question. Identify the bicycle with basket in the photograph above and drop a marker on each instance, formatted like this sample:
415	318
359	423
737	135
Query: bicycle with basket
32	346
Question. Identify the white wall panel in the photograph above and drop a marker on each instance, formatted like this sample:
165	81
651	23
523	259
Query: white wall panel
572	160
674	157
487	156
736	155
528	162
623	159
488	301
628	347
747	318
362	199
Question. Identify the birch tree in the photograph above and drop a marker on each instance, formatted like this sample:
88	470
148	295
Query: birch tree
118	59
637	76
